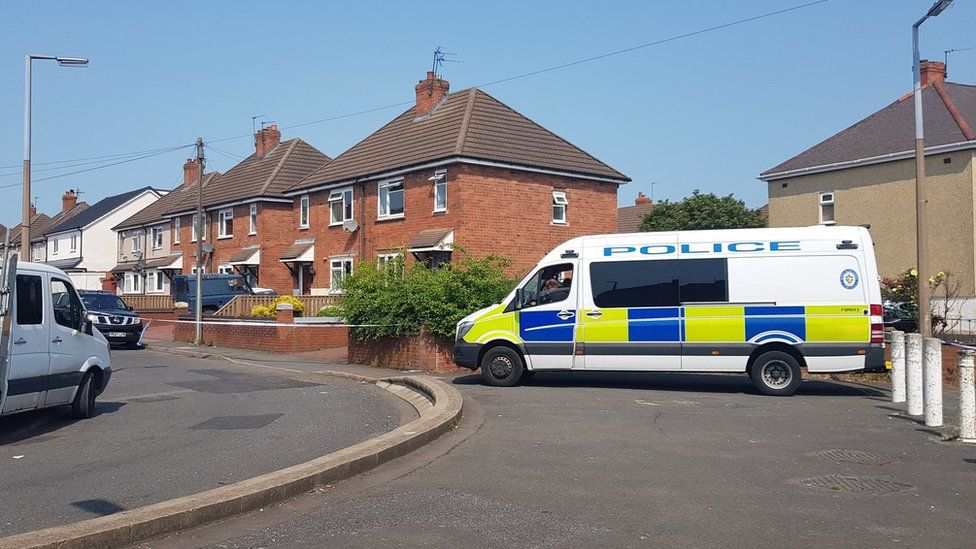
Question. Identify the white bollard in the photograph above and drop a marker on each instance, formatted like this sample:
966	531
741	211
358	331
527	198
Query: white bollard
913	373
932	381
967	397
897	366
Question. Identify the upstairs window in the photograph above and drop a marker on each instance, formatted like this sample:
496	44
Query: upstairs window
157	238
253	220
74	243
54	246
176	231
340	206
303	213
440	191
137	241
225	223
827	208
559	205
391	199
193	235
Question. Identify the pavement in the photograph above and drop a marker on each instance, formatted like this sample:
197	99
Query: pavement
635	460
169	426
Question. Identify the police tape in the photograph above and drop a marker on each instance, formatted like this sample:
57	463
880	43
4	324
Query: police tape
208	322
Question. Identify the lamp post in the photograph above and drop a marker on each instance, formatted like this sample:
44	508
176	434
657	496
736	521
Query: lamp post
921	231
25	235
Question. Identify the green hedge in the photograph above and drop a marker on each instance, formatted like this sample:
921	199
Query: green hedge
397	301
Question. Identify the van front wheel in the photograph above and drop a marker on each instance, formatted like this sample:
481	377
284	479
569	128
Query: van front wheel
83	406
502	367
776	373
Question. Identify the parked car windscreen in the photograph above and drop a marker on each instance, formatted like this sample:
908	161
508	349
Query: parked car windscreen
97	302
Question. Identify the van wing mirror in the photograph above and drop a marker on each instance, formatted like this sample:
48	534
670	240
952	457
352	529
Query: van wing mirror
519	295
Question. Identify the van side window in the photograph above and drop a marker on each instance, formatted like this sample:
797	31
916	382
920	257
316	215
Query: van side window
635	283
67	306
30	306
548	285
703	280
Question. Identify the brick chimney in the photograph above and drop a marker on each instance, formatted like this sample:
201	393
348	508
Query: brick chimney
266	140
33	210
932	71
641	199
191	172
68	200
430	92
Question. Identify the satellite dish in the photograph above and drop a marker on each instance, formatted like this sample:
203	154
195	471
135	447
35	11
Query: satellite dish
137	253
208	248
141	263
350	225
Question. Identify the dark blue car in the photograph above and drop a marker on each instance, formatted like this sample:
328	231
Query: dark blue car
217	290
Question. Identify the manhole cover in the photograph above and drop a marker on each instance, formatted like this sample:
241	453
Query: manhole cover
853	456
855	485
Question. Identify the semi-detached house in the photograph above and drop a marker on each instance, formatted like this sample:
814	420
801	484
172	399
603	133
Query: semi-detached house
456	169
147	258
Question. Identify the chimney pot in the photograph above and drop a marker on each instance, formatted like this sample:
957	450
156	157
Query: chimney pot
430	92
191	172
641	199
33	210
266	140
932	71
68	200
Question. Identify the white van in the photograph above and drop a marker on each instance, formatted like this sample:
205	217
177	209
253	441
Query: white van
50	355
766	302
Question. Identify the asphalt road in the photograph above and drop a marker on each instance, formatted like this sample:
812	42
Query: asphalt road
617	460
170	426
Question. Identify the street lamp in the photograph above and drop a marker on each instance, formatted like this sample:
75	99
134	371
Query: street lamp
924	292
25	235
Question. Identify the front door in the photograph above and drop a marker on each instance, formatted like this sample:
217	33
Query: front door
547	317
29	361
67	342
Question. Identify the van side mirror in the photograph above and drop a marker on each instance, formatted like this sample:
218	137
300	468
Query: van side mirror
519	296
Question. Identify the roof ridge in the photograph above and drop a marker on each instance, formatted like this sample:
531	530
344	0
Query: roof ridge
281	163
465	122
957	116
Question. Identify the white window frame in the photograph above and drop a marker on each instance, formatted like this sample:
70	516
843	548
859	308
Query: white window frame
222	217
133	283
560	202
252	218
440	181
176	230
341	260
342	197
383	206
827	199
193	232
304	212
383	259
137	241
193	269
157	243
73	243
154	282
225	268
54	246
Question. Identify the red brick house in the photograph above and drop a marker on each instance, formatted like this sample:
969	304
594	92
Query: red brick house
249	222
455	169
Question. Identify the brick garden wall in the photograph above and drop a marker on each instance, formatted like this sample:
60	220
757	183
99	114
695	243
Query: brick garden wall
275	339
413	352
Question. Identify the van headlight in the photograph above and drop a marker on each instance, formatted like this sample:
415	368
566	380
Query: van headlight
463	328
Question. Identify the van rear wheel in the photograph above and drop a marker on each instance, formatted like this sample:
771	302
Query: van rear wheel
502	367
776	373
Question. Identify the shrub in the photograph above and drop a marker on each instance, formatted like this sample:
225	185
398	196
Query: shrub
397	301
270	311
330	310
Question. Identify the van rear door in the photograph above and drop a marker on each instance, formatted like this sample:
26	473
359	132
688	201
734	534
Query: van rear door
29	364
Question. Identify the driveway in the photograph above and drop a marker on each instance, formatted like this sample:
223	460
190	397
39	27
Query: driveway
627	460
170	426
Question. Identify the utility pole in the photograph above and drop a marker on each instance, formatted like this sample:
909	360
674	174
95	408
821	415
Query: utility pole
921	229
652	189
198	308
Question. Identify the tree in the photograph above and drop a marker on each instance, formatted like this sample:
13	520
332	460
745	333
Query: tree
702	211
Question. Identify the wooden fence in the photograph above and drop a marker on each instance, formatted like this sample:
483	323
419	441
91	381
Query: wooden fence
241	305
149	302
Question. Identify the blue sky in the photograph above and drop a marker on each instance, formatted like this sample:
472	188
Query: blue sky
707	112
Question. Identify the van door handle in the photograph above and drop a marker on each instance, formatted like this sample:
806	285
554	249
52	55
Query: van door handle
56	340
594	314
565	314
20	341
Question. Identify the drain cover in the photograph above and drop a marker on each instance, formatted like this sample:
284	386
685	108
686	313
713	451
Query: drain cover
853	456
855	485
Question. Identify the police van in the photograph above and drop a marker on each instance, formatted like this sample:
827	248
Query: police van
50	354
765	302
